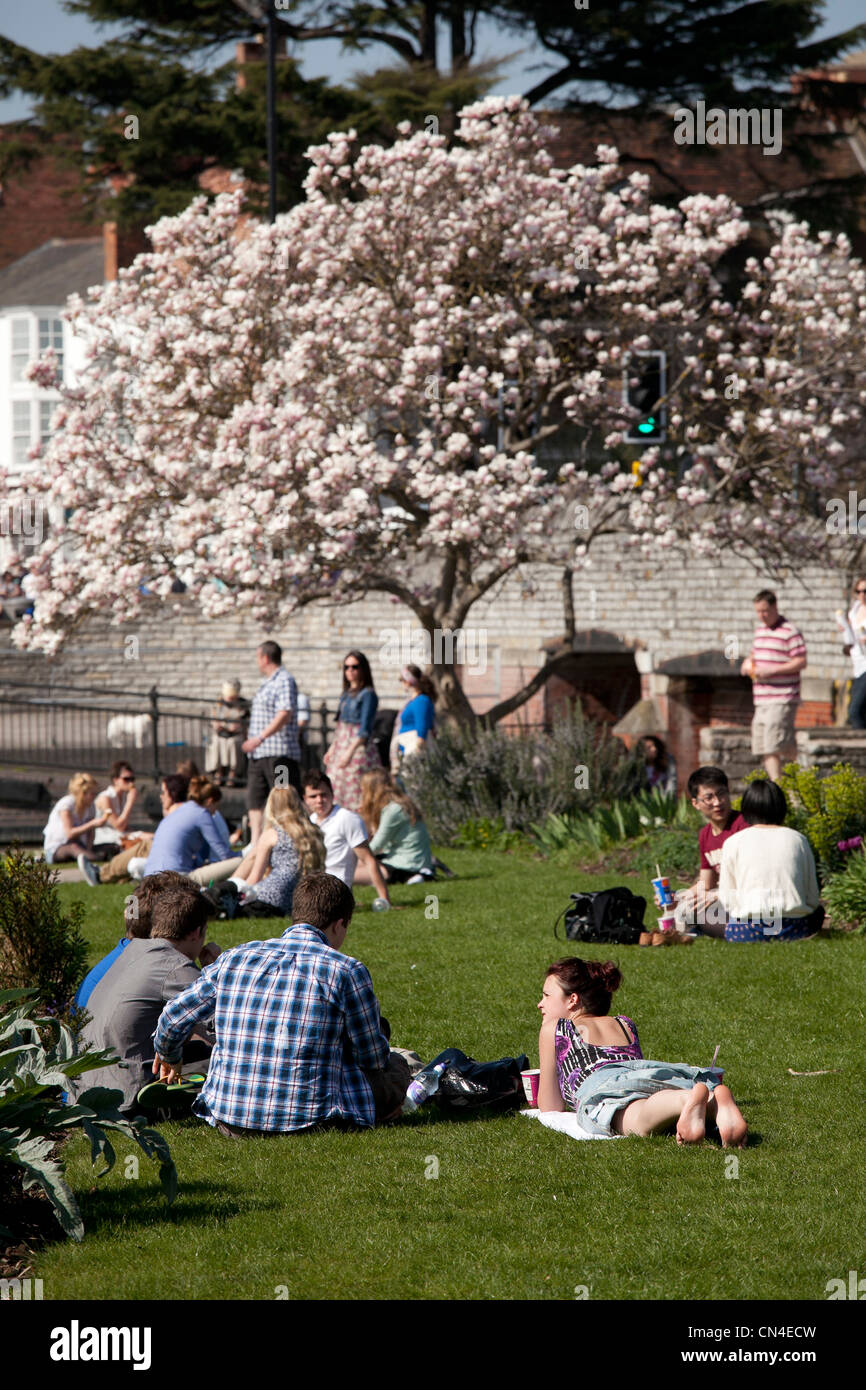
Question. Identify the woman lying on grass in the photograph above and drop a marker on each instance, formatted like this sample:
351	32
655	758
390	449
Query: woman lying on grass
593	1065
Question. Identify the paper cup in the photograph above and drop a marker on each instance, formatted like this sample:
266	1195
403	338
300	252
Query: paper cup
667	923
530	1081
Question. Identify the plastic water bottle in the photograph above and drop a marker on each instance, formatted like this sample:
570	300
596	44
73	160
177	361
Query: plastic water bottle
425	1085
381	905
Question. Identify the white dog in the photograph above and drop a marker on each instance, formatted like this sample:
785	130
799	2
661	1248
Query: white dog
123	727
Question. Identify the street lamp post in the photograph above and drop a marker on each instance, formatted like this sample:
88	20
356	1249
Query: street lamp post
264	12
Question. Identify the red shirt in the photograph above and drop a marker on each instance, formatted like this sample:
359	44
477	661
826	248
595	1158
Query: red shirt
710	842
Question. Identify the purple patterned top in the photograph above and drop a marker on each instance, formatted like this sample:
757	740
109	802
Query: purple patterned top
576	1059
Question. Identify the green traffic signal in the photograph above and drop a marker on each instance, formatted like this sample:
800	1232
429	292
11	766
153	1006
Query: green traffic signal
647	426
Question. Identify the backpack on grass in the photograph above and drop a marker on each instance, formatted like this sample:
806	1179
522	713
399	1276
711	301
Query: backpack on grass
613	915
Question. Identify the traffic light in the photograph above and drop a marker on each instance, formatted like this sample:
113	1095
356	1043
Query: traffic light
644	383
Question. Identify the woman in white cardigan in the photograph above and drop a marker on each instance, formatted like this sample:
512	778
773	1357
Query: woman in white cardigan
767	880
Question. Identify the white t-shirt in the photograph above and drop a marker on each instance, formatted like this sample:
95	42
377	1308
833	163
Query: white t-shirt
768	870
54	835
108	799
858	632
342	832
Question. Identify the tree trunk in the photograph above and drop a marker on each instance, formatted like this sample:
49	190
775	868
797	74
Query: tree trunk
458	36
452	704
427	33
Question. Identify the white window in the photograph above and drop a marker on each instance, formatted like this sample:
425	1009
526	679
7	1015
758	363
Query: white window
51	336
46	410
21	352
21	437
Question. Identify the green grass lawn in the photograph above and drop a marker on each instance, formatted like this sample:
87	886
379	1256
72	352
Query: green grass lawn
516	1211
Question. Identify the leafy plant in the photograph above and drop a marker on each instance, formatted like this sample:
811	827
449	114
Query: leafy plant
41	942
624	820
826	810
674	849
487	834
38	1061
474	773
845	895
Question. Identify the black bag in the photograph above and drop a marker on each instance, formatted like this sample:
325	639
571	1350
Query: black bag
469	1085
614	916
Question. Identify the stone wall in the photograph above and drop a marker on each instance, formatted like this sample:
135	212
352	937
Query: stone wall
662	609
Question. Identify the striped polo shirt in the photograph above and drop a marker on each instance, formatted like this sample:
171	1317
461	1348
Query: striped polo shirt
772	646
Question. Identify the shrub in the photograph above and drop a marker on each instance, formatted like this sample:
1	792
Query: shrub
474	773
826	810
608	826
38	1060
675	850
845	894
41	943
487	834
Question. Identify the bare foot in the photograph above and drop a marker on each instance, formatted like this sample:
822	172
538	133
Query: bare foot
692	1124
731	1125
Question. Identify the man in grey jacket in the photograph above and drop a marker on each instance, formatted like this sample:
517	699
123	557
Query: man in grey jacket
126	1004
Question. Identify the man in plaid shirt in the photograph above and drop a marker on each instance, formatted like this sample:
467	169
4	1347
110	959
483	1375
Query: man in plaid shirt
299	1036
273	742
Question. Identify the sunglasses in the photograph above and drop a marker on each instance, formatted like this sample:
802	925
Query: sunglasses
860	591
351	666
127	779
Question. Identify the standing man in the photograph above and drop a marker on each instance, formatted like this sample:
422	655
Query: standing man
273	740
777	657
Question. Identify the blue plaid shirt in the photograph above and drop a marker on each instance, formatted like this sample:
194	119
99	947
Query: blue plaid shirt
277	693
297	1024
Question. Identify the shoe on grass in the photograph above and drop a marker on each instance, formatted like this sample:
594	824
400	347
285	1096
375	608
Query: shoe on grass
173	1100
89	870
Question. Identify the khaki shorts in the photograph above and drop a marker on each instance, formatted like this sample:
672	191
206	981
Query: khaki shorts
773	727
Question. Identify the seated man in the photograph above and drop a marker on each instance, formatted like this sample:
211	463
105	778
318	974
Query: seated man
299	1039
137	909
347	843
185	835
710	794
126	1003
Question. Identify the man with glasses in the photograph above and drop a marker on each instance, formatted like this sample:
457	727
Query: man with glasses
710	795
855	647
777	657
273	746
119	799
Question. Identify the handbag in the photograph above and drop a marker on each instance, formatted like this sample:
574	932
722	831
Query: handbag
612	915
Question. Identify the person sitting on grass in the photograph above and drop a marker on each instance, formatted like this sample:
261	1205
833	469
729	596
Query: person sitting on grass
126	1004
347	846
185	836
710	795
299	1036
768	885
70	828
400	840
289	847
136	912
594	1065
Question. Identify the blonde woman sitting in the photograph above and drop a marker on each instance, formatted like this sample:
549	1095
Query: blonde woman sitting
399	837
289	847
69	832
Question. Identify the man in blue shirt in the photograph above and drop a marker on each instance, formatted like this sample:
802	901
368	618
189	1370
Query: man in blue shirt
186	835
299	1038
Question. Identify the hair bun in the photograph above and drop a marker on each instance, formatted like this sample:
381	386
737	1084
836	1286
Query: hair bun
607	971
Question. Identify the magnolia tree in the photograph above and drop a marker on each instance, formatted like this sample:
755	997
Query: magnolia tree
365	396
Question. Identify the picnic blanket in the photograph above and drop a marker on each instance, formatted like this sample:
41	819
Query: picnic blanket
566	1122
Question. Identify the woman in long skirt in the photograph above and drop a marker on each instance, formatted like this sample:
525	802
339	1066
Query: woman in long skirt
353	751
